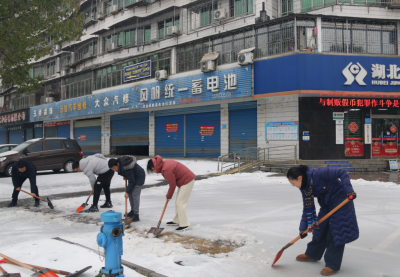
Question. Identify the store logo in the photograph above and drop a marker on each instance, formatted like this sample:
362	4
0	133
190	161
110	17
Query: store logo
357	70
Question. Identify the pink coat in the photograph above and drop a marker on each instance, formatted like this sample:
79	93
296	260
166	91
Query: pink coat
174	172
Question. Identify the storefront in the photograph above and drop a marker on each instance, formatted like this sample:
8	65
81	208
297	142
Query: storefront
348	106
176	117
59	129
15	127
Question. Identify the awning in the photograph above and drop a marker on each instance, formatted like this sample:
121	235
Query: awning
246	50
209	57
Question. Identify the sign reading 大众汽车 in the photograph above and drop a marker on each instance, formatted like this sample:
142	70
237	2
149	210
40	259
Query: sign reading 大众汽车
217	85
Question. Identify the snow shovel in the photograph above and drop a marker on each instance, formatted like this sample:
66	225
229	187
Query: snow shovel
319	222
47	201
38	272
68	274
128	220
156	231
84	205
8	274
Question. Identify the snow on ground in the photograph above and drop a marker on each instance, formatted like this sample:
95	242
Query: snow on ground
50	183
256	212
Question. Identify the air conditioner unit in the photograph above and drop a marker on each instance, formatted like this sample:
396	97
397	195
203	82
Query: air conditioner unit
111	46
114	9
245	58
220	14
56	47
172	30
161	75
63	72
207	66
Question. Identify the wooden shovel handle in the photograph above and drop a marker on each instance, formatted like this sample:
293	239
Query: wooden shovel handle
32	195
87	200
324	218
16	262
41	267
2	270
126	200
162	215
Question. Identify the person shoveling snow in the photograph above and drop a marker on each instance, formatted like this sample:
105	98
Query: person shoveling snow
341	228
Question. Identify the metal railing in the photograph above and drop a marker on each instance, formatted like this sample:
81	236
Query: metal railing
274	154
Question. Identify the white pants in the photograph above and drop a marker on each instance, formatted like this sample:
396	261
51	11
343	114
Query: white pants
182	199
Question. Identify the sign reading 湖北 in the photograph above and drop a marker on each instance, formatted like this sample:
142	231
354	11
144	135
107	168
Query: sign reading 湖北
137	71
172	127
206	131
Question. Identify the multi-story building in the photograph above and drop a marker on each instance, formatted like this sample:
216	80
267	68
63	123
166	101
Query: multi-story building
206	78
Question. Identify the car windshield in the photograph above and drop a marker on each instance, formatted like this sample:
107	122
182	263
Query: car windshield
22	146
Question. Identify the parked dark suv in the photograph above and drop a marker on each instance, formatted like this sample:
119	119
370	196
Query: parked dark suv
46	153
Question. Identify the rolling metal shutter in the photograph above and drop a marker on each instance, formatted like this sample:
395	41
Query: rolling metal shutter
198	145
63	131
130	129
28	134
242	125
199	109
38	132
88	135
16	136
170	137
50	132
3	135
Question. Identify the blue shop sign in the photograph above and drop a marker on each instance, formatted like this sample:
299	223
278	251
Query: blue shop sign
137	71
217	85
319	72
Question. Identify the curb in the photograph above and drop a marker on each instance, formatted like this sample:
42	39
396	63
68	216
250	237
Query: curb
142	270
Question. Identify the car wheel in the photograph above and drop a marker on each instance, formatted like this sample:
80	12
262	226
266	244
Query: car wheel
56	170
8	170
68	167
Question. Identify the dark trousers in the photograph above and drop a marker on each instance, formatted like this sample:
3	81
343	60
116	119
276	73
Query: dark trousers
103	182
34	189
333	254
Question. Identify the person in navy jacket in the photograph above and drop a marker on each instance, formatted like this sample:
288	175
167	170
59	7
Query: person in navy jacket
330	186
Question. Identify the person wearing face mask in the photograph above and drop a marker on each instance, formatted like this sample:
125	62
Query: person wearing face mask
330	186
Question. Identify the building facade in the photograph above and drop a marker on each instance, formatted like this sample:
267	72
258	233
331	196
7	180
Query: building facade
206	78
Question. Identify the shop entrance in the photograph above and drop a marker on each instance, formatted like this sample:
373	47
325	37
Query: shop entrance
385	137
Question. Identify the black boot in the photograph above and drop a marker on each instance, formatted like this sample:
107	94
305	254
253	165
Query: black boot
37	203
135	218
107	205
130	214
92	209
12	204
171	223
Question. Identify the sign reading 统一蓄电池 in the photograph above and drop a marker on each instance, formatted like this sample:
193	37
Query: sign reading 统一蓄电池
223	84
137	71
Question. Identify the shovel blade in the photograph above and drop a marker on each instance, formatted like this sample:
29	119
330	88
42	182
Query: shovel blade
278	256
81	207
155	231
50	204
76	273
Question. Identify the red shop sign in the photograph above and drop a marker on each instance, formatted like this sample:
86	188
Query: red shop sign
367	103
59	123
206	131
82	138
172	127
393	129
353	127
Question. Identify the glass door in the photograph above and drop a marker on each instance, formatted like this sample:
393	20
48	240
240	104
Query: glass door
385	137
353	133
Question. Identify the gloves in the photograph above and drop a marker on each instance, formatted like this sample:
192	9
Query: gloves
302	236
353	194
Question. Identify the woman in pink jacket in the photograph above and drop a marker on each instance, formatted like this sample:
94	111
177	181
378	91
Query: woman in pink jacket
177	175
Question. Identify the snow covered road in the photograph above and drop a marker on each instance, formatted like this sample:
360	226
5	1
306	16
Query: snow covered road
255	212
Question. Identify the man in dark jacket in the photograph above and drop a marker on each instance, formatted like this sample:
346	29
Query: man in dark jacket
21	171
127	167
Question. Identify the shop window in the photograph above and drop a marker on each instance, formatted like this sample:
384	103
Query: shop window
353	133
385	137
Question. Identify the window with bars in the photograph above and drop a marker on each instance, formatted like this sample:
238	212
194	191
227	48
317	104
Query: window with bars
359	37
79	85
287	7
203	15
130	38
163	25
51	68
116	38
113	75
90	49
240	7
